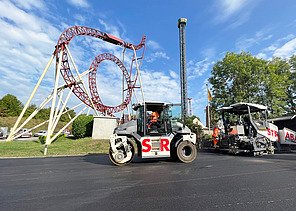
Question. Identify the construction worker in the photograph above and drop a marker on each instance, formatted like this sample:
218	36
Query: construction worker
215	136
153	123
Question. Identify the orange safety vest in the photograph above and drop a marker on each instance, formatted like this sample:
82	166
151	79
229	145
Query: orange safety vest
215	135
215	132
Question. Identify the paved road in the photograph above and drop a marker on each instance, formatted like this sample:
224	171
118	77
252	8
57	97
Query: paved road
212	182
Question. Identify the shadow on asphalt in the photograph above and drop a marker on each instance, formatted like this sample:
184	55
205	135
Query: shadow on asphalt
283	156
278	155
223	153
103	159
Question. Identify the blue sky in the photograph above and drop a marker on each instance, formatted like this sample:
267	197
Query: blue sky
30	30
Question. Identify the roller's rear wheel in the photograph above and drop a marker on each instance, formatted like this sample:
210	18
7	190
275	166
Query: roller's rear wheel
186	152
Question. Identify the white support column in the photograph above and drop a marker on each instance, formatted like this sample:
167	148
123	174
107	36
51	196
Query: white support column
52	110
57	108
59	132
80	79
12	132
42	123
84	73
88	111
66	110
41	106
62	109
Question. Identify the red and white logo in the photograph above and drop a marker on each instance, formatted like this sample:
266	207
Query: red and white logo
287	136
155	147
271	132
290	136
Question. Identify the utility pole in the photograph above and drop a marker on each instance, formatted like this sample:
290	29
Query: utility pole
183	76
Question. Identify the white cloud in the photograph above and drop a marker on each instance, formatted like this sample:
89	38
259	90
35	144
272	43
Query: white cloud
197	69
244	43
80	18
262	56
157	55
282	47
26	42
162	55
160	87
19	17
30	4
173	74
109	28
240	20
230	7
270	48
287	50
209	52
236	12
79	3
158	52
153	45
288	37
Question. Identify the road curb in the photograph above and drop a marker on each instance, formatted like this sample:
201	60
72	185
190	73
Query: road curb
51	156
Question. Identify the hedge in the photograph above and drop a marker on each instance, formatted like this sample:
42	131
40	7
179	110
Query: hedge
82	126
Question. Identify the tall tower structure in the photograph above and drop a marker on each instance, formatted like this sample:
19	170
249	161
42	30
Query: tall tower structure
183	75
190	106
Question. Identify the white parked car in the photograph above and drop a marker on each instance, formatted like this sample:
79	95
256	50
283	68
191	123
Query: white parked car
41	133
1	134
25	133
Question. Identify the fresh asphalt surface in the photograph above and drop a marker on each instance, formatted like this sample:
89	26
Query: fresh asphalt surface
212	182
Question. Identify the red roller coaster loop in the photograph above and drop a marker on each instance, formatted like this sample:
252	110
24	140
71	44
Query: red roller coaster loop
93	89
61	53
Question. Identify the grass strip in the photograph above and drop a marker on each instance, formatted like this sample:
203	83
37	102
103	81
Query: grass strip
62	146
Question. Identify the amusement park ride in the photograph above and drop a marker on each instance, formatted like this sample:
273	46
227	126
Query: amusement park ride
168	140
64	63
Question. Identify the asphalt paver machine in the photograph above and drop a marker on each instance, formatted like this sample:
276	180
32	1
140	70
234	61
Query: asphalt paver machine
245	129
151	137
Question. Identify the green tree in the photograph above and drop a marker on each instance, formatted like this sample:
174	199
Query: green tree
43	114
10	106
30	110
66	117
243	77
193	126
275	86
292	88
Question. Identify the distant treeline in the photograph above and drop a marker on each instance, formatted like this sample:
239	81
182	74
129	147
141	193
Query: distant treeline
10	106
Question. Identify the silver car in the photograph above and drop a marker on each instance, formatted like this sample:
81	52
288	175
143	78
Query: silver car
41	133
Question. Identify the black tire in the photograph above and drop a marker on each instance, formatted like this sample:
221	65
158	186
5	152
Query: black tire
186	152
174	156
115	162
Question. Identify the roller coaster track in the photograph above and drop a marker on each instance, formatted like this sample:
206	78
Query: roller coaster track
61	52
